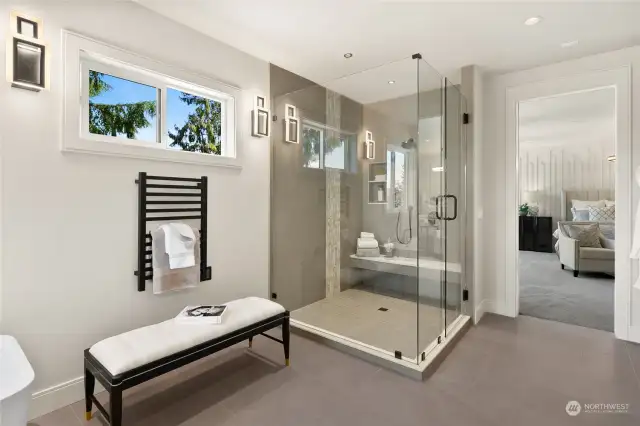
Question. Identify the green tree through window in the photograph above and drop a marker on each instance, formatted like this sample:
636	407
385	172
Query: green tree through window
202	132
116	119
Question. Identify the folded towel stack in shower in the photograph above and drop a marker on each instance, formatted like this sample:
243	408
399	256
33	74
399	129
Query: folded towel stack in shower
367	245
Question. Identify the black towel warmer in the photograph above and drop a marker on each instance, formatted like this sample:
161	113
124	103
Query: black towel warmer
186	200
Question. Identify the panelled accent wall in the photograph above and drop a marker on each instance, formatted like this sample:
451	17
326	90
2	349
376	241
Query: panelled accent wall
546	171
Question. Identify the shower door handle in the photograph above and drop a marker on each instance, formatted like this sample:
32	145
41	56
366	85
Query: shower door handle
438	205
455	207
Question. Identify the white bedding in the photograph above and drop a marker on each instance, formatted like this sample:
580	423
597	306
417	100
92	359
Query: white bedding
132	349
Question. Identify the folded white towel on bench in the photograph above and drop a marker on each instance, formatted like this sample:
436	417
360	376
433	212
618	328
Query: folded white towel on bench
367	243
135	348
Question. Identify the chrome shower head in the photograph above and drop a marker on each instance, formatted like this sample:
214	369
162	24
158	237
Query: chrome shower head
409	144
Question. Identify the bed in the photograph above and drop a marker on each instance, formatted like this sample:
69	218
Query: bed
570	252
589	195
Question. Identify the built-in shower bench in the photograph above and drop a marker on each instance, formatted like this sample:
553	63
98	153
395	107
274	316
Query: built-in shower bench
132	358
404	265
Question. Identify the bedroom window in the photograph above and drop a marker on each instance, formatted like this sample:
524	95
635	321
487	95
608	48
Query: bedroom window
135	107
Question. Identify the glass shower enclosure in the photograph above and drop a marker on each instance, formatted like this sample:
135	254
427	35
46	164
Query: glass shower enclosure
368	207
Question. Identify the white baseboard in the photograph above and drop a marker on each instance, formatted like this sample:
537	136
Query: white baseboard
486	305
634	334
58	396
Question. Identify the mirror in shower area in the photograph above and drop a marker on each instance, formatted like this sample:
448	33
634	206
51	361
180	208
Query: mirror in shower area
367	237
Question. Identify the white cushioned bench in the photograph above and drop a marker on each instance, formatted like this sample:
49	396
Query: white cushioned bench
131	358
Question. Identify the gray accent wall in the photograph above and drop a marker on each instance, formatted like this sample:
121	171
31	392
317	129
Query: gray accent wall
316	214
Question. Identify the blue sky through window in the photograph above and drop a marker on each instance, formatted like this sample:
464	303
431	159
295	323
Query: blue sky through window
125	91
177	112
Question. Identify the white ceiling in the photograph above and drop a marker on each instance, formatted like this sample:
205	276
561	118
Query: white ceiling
309	37
577	120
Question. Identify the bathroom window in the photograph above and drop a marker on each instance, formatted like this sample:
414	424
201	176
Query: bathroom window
324	147
135	107
126	103
194	123
122	108
401	176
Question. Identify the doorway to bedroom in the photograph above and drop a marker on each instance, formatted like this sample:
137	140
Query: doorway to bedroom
566	207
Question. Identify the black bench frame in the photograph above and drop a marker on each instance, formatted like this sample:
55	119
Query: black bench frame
115	385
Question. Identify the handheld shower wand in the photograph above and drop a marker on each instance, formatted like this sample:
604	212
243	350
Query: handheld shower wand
410	208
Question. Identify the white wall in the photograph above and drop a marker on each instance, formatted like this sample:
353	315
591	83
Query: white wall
494	170
547	170
69	220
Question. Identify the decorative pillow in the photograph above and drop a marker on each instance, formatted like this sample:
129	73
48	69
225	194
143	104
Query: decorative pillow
608	231
587	235
609	203
582	205
580	215
602	214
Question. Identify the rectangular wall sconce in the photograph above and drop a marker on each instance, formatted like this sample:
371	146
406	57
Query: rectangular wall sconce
369	146
291	124
27	55
260	119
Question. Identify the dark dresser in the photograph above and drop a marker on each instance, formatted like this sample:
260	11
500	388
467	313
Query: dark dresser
535	233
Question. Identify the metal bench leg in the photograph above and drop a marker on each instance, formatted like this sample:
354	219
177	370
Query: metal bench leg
115	406
286	339
89	387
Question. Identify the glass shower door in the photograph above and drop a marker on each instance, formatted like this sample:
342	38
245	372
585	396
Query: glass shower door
441	207
453	201
431	184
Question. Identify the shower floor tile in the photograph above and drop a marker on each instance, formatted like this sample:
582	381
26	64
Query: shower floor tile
356	314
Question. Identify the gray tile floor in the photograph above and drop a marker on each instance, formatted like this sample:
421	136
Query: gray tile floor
504	372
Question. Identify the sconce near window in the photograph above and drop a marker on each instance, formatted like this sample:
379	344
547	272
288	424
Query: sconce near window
369	146
27	55
291	124
260	118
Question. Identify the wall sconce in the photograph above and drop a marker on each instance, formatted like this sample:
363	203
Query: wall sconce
369	146
27	56
260	118
291	124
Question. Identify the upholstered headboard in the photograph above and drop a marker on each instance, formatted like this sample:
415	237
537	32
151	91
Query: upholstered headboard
590	195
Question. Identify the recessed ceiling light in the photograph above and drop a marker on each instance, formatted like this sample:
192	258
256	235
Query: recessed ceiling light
533	20
569	43
348	55
392	82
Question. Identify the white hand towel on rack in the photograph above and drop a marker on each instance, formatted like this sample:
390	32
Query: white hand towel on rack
365	243
166	279
179	243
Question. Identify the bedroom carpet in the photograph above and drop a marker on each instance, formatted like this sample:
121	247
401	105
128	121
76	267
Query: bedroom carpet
548	292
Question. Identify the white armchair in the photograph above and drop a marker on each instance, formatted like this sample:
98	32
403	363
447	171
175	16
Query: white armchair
588	259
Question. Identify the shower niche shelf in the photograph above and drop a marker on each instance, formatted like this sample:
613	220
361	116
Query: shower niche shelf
377	183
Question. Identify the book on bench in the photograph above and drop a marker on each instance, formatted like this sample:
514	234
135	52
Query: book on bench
202	314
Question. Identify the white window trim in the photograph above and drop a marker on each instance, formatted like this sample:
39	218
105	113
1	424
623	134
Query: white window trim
80	51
